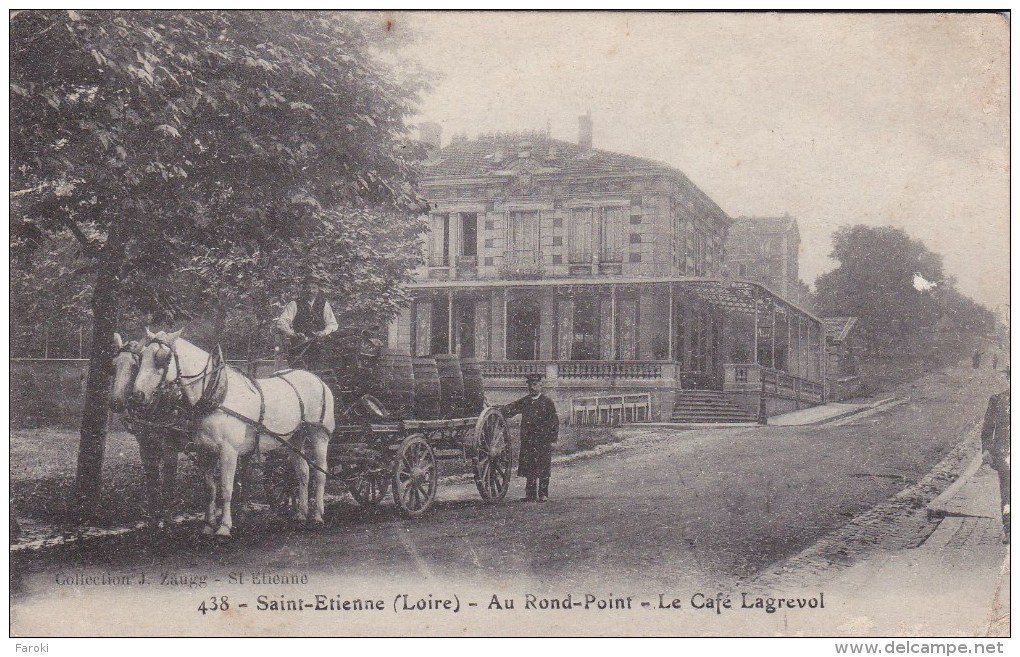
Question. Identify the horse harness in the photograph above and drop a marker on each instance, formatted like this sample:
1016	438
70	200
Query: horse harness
212	398
165	414
259	425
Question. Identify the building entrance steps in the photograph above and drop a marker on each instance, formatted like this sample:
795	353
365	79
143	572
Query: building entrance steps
707	406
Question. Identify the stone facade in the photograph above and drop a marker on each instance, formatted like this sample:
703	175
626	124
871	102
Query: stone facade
766	250
602	270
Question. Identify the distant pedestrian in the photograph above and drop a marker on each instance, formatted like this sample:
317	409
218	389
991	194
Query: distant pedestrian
995	448
540	428
995	362
977	359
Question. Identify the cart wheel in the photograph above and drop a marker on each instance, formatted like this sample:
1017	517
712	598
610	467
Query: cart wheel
494	457
278	482
415	476
370	488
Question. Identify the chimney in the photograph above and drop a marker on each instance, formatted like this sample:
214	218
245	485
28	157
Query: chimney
584	133
431	134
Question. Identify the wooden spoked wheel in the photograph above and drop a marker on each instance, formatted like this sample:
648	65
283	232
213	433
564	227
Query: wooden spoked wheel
369	488
278	482
494	457
415	476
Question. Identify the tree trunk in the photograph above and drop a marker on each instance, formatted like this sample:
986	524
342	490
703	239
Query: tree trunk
95	413
220	324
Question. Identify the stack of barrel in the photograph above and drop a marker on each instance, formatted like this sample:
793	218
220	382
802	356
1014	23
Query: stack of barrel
436	387
393	383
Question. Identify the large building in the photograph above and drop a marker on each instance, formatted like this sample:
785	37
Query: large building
602	271
766	250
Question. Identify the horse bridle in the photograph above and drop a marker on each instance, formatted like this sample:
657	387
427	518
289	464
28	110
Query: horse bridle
214	373
136	357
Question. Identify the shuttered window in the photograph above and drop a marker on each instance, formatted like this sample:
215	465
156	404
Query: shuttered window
439	244
611	235
579	235
523	239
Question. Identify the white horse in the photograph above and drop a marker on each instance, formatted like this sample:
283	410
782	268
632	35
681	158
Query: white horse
234	414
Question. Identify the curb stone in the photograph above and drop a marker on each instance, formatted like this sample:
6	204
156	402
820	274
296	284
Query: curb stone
842	547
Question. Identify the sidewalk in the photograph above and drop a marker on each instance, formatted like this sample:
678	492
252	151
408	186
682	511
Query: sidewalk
826	413
955	583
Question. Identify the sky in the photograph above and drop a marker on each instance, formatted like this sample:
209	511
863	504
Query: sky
898	120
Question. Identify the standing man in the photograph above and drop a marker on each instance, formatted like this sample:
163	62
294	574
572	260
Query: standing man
304	321
995	448
540	426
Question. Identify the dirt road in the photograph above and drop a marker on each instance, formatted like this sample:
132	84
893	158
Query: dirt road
670	513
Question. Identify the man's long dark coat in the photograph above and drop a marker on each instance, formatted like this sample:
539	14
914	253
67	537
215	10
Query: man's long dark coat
995	439
540	427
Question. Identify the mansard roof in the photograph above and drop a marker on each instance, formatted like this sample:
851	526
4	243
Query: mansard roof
493	153
505	154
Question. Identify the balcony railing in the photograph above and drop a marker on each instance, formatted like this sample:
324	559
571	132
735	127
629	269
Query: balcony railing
601	369
580	369
750	377
522	264
511	369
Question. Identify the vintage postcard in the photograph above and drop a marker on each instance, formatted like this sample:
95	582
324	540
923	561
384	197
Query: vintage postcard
332	324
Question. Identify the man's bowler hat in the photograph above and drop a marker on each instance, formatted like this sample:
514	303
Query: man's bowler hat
532	378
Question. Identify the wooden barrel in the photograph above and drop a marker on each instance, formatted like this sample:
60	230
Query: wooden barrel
474	391
451	383
428	392
394	383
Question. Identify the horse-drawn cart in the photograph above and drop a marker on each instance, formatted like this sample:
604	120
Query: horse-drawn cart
374	450
394	418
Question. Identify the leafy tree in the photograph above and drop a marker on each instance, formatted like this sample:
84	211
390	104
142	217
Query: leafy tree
365	257
896	286
148	137
46	290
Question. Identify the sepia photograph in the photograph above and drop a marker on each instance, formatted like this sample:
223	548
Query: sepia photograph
510	324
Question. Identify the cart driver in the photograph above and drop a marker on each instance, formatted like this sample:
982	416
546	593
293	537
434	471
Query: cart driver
305	321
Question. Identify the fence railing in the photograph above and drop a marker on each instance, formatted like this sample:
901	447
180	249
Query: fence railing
580	369
45	342
620	369
610	410
751	377
511	369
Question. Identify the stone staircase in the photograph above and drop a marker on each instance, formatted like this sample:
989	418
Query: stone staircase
707	406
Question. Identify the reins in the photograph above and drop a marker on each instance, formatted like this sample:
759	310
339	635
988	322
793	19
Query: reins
303	346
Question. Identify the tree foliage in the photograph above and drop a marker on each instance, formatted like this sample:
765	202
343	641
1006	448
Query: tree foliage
196	155
215	128
365	257
876	280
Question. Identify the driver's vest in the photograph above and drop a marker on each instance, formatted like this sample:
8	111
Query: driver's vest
308	320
